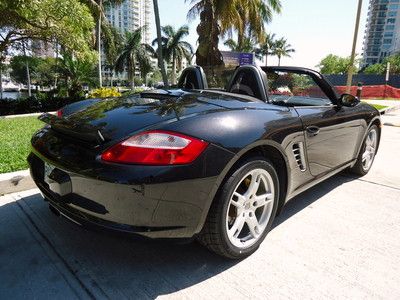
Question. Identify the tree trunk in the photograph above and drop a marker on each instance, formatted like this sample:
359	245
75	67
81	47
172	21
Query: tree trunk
161	64
99	43
56	74
131	73
1	82
28	75
240	40
279	61
173	69
266	59
208	55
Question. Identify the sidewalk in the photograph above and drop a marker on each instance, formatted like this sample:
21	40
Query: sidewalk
391	118
338	240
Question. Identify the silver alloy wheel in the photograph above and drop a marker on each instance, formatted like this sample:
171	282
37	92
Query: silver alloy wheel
250	208
370	149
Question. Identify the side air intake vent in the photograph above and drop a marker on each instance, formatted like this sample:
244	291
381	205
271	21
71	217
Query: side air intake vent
298	152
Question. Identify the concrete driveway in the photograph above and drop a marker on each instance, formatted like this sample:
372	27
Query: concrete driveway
339	240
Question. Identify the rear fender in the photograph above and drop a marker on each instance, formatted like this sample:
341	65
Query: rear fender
230	169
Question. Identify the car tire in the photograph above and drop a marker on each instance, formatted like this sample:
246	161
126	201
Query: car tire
367	154
223	231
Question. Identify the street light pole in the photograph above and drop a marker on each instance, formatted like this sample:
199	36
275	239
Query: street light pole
353	51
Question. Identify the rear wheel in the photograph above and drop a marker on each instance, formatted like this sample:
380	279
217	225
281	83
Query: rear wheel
367	153
243	212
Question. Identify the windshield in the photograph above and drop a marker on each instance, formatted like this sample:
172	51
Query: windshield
295	89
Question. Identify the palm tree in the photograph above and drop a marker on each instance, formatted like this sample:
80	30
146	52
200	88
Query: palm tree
134	53
254	15
265	48
97	8
246	46
76	72
281	49
246	17
161	64
112	47
210	12
174	49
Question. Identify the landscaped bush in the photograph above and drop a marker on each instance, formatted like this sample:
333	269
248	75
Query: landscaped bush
36	103
104	93
45	102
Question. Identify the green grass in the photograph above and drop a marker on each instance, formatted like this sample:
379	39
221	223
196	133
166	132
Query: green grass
378	106
15	136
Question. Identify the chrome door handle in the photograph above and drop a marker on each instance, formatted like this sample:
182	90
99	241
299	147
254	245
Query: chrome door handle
312	130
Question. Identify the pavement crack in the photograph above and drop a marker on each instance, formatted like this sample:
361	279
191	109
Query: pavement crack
371	182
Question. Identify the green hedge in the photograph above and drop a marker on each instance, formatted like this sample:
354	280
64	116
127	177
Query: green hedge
32	105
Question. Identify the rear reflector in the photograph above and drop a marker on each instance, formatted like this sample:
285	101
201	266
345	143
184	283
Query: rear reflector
156	148
59	113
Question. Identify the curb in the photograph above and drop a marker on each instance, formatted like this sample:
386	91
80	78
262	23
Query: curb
16	182
389	109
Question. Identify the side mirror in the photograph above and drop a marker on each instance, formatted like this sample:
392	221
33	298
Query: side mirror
348	100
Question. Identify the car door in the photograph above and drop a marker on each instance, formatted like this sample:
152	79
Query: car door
331	132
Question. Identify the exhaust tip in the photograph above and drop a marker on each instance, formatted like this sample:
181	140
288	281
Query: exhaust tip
54	210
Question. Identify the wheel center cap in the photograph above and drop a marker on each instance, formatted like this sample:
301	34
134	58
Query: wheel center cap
247	205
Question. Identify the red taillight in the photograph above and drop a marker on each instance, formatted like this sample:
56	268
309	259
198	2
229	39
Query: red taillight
156	148
59	113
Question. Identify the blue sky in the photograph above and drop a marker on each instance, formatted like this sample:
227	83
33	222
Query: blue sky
314	28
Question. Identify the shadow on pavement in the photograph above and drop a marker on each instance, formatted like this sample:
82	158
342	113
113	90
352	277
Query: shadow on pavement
109	265
308	197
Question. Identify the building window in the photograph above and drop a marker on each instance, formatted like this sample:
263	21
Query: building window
387	41
391	21
389	27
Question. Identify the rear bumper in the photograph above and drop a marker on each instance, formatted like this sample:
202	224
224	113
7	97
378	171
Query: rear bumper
156	210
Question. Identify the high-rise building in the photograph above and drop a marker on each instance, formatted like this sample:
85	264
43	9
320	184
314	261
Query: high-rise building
127	17
382	34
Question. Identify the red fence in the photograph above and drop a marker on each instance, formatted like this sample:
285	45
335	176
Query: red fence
373	91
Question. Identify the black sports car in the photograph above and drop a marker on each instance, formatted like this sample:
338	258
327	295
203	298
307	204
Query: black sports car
196	162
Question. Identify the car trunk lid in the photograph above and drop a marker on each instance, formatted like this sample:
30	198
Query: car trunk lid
114	119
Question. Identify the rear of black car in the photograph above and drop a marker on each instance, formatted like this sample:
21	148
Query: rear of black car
160	201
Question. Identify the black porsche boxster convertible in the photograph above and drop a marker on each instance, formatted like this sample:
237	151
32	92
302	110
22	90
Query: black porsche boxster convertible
217	165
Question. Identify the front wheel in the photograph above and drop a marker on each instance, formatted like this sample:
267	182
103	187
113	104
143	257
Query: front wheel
243	212
367	153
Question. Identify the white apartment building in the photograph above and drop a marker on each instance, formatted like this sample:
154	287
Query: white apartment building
382	33
127	17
